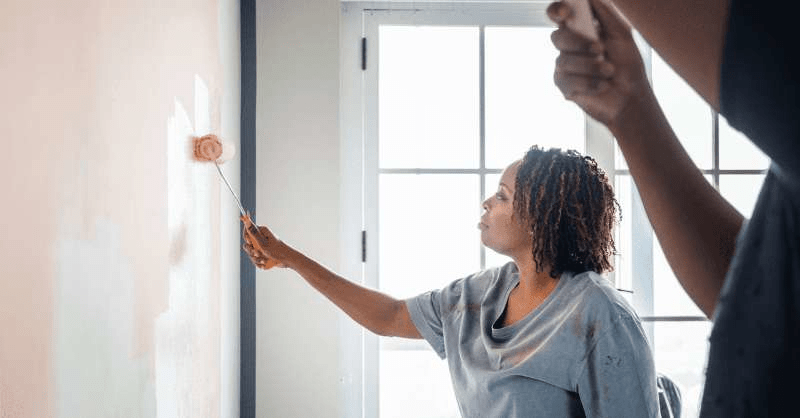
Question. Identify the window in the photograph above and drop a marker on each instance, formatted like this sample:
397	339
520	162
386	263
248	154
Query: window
451	95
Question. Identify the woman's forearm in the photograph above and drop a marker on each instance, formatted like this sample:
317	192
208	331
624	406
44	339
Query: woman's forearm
374	310
696	227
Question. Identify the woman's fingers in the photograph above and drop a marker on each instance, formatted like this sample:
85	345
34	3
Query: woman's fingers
611	21
251	252
581	68
595	66
259	242
258	258
250	232
566	40
573	85
558	12
253	237
259	235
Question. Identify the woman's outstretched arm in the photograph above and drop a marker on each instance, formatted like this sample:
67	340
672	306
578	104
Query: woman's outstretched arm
378	312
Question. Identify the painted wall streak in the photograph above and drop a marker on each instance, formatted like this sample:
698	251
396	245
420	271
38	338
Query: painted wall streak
95	322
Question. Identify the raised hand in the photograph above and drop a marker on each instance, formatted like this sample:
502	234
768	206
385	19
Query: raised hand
599	76
261	245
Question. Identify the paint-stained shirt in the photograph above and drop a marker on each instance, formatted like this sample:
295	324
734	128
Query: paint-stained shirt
581	352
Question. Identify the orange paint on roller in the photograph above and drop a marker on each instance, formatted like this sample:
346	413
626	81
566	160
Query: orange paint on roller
210	148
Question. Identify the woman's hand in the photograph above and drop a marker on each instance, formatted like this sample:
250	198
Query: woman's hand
602	76
264	249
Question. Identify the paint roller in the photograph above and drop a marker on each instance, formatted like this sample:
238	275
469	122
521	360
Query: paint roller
210	148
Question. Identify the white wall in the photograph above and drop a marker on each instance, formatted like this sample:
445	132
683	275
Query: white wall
119	255
230	113
298	185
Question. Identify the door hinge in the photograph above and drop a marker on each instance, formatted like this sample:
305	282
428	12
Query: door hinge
363	53
363	246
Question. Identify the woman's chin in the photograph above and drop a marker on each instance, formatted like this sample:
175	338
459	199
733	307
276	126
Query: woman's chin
488	245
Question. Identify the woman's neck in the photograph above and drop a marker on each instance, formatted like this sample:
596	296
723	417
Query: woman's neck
534	284
532	290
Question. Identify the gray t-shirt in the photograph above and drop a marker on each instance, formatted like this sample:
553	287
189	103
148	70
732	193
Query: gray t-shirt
581	352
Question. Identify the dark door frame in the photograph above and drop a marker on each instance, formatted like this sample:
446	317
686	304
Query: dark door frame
247	316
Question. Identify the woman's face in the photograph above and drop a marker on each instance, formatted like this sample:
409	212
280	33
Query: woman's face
500	229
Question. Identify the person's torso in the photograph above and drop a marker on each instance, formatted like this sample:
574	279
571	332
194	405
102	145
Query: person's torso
531	367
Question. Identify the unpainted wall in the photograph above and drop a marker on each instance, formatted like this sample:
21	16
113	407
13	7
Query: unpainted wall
119	255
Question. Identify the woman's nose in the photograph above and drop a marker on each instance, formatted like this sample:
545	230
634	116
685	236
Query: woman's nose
485	204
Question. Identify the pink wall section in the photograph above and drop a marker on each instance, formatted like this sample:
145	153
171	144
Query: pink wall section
107	307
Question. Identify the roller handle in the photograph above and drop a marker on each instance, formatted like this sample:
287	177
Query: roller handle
255	234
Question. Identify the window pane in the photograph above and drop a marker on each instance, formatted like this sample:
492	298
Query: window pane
623	265
669	298
619	159
493	259
523	105
428	100
736	152
428	231
741	190
668	294
415	384
681	352
687	112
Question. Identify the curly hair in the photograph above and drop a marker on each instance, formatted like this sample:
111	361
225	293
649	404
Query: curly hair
569	204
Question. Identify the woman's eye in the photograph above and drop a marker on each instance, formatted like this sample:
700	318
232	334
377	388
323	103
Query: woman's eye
499	196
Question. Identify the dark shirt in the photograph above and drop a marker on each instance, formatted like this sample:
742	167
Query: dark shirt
754	359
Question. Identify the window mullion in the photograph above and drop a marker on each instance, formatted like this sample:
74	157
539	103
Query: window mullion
482	124
715	147
642	268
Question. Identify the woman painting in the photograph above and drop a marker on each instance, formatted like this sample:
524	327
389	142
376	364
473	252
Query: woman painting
544	335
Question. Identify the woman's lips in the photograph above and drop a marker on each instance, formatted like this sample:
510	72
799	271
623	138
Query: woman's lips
482	225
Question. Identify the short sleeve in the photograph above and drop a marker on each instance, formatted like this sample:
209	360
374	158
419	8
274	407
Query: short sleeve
426	314
618	379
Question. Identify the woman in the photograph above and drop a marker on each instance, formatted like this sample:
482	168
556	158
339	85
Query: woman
544	335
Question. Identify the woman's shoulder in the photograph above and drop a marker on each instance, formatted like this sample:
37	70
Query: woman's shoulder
480	283
599	298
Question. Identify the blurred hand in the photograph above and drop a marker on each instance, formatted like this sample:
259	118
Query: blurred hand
599	76
261	237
